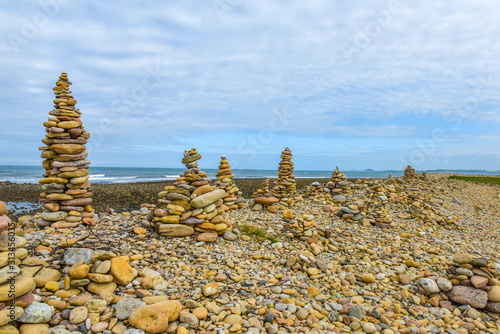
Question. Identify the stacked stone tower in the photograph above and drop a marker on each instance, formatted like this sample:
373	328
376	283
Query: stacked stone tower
224	180
191	204
285	188
67	195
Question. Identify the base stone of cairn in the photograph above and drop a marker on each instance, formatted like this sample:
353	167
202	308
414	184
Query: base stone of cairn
15	288
191	205
285	187
224	180
263	197
67	195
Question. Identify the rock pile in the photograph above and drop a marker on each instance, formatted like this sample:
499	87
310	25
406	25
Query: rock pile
285	187
475	282
263	197
413	198
224	180
16	297
192	204
67	195
353	211
316	192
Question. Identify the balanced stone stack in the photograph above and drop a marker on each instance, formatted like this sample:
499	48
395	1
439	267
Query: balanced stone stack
475	282
377	203
192	204
263	197
285	188
410	172
67	195
338	184
224	180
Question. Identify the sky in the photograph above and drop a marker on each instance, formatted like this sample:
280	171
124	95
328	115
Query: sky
354	84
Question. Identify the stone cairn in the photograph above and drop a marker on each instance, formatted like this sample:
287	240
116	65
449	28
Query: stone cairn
192	205
285	188
16	297
263	197
66	195
410	172
338	184
377	203
335	189
224	180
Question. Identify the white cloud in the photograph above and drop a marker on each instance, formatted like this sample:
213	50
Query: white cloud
226	71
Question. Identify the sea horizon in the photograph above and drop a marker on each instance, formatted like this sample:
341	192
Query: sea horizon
108	175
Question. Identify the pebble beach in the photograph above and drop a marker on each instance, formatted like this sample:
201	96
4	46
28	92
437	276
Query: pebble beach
333	277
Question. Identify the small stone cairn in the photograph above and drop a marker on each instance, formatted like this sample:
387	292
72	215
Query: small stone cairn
192	204
224	180
338	184
67	195
410	172
263	197
377	203
285	187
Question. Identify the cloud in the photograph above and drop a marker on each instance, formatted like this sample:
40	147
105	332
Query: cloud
187	68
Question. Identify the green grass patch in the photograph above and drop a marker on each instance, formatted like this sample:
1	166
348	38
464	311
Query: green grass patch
256	232
481	179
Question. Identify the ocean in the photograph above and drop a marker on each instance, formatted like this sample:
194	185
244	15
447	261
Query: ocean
31	174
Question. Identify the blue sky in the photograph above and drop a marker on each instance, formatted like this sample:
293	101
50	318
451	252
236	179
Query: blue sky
358	84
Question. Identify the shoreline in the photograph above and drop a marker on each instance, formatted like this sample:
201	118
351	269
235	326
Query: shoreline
22	198
126	196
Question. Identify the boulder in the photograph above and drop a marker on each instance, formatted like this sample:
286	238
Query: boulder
155	318
461	294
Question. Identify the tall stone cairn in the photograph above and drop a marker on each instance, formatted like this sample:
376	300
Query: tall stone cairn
224	180
285	188
192	205
67	195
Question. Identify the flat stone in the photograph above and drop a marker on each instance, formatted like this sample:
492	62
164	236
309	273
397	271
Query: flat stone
468	295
